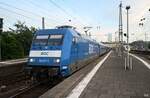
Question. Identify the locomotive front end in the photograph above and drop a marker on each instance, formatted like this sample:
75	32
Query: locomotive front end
46	52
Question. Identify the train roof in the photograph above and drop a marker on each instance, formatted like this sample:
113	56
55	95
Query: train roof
60	31
63	31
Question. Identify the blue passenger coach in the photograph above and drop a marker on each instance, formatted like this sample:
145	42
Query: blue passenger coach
61	51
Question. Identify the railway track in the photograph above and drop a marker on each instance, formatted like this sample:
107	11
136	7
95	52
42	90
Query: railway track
19	85
37	89
12	83
13	78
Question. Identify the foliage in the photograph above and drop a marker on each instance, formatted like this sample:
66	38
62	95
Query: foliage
149	45
15	43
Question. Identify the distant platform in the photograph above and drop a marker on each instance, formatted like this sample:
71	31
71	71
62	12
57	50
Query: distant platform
13	62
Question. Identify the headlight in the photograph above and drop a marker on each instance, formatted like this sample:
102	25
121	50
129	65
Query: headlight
56	60
31	60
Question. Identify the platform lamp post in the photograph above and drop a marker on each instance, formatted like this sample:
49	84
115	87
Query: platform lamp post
127	8
141	24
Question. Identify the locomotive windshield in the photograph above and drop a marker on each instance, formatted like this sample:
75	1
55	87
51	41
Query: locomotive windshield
41	40
55	40
52	40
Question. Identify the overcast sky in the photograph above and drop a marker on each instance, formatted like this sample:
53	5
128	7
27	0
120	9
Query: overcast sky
103	13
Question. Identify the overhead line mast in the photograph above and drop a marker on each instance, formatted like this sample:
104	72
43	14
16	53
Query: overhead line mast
120	32
120	24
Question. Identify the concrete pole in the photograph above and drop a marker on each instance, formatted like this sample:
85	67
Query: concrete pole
146	45
127	8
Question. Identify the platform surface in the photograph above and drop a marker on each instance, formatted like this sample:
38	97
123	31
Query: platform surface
112	81
13	62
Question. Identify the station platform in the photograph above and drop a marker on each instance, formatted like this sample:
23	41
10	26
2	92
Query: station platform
12	66
109	79
13	62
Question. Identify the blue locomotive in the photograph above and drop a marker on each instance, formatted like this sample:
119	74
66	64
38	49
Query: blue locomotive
61	51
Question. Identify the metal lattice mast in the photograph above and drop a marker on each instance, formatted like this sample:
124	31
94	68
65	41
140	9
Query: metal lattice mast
120	24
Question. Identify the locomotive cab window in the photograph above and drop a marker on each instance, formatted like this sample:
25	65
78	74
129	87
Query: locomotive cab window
55	40
40	39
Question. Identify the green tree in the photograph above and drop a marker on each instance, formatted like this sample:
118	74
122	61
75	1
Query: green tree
149	45
24	35
11	48
16	42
